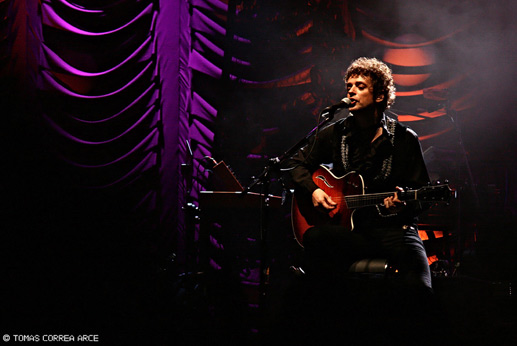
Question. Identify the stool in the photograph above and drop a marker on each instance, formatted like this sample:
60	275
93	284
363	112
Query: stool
369	265
370	268
374	267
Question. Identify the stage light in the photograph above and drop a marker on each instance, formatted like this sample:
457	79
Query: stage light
412	57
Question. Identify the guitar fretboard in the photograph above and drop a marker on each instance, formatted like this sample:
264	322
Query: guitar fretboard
358	201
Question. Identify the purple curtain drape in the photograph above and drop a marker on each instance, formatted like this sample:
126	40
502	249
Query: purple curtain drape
96	74
94	100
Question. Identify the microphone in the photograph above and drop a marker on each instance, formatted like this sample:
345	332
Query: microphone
344	103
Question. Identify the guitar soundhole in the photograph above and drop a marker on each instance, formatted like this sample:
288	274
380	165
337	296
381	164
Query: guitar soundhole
322	178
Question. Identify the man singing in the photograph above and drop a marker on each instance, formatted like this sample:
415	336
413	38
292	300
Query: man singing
387	155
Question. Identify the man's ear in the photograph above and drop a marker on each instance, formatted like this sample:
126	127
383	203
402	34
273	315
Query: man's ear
379	98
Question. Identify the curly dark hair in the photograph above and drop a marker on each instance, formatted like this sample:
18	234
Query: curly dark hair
380	75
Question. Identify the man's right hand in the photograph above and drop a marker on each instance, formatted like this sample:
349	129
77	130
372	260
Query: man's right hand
321	199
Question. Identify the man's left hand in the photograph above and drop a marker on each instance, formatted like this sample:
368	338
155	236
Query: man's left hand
393	204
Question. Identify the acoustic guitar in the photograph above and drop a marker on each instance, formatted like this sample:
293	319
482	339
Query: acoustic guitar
348	192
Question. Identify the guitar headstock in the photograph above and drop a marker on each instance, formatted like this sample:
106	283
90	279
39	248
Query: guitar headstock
436	193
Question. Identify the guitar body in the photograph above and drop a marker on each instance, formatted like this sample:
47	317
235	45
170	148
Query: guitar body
348	192
303	213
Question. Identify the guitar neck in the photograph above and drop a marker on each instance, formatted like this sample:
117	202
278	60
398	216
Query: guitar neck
358	201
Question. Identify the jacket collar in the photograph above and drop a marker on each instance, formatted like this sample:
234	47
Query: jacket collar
385	120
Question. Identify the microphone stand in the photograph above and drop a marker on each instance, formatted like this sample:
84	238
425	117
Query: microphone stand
264	179
453	115
327	114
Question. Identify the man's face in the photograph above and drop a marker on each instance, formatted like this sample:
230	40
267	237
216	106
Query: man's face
360	92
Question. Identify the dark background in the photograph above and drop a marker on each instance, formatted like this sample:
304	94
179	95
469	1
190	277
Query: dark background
99	234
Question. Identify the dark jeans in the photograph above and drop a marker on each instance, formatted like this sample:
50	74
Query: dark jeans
330	250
